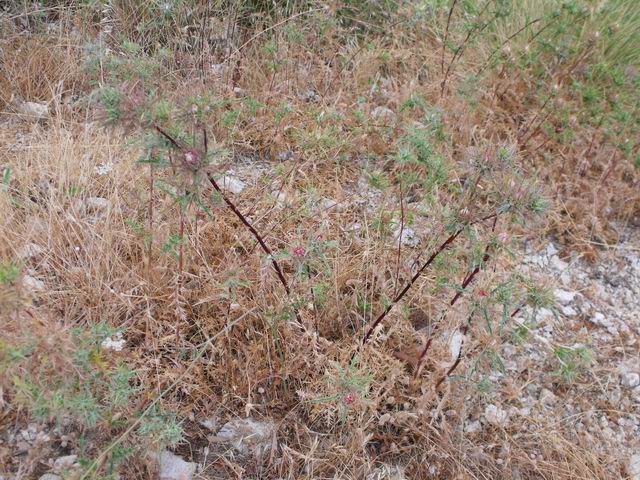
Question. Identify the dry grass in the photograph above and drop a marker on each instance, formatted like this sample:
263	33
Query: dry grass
39	68
96	266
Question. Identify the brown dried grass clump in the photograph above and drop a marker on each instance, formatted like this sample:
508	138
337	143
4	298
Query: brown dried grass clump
39	68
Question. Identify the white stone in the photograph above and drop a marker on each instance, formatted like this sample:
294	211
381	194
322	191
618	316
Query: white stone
282	198
328	204
96	203
232	184
563	296
32	283
30	251
173	467
630	379
602	321
495	415
551	250
38	111
544	314
210	423
558	264
407	236
634	466
547	397
384	419
104	168
115	343
50	476
218	69
64	463
247	436
473	427
285	156
569	311
455	344
311	96
384	114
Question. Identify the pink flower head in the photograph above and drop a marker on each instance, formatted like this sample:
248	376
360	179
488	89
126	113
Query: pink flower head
503	237
349	399
191	159
482	293
299	252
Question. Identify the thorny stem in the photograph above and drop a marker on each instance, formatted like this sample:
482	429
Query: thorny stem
446	35
465	283
241	217
458	53
410	283
419	272
254	232
313	297
460	356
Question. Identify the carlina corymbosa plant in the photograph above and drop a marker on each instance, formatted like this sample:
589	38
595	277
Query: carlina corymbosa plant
193	160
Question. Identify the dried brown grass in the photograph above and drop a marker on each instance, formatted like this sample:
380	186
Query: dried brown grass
39	68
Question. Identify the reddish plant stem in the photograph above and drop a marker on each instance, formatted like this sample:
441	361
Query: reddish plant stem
410	283
241	217
470	277
446	35
458	53
172	140
460	356
415	277
254	232
465	283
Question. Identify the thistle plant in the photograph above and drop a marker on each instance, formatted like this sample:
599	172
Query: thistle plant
193	161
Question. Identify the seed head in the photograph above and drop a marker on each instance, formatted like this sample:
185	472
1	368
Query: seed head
191	159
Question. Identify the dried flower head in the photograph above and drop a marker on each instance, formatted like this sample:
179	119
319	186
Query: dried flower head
349	399
191	159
